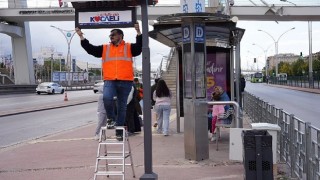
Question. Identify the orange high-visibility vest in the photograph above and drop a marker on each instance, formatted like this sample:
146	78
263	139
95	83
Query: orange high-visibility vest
117	62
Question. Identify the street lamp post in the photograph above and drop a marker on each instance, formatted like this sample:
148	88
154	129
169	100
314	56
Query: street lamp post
265	56
276	42
51	67
60	62
68	34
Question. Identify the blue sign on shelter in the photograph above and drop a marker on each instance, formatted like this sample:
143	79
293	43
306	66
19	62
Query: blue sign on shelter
199	33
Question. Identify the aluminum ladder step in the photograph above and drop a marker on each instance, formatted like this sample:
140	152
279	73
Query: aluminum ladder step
106	173
118	157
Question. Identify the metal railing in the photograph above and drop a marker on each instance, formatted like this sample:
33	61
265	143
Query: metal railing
297	81
298	143
165	62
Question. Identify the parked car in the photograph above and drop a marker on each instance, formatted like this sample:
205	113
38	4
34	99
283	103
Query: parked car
97	85
50	88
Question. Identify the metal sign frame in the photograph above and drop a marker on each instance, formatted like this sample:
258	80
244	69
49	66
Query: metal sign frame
111	12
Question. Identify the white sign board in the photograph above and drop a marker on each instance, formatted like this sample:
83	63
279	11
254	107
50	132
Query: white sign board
56	76
75	76
80	78
62	76
192	6
105	18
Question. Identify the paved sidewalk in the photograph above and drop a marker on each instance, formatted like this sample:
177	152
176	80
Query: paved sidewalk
71	156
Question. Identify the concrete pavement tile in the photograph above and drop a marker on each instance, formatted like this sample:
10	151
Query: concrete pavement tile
72	154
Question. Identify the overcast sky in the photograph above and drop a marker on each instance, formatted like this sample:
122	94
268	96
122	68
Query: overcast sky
294	41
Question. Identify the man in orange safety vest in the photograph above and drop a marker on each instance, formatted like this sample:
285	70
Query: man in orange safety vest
117	71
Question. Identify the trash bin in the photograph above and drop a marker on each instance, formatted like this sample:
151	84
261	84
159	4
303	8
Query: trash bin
257	154
272	130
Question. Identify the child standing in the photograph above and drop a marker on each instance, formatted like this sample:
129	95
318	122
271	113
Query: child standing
216	110
102	115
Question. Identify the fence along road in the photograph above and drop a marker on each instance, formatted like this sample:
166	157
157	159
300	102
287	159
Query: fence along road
298	142
303	105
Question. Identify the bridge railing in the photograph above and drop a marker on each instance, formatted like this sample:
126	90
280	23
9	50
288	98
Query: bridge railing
165	63
55	3
298	143
33	4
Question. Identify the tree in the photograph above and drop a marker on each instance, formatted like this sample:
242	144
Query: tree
316	66
272	71
298	67
285	67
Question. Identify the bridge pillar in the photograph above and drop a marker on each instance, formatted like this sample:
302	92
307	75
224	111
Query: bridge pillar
22	57
21	47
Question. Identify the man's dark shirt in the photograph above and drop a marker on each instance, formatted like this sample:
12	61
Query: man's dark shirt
96	51
153	88
242	84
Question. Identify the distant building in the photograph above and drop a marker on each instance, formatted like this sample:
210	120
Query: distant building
290	58
84	65
314	56
287	57
46	53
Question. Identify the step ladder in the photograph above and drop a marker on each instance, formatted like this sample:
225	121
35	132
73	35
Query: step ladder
113	159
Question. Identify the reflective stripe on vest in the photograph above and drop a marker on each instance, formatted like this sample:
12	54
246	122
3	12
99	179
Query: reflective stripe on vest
117	62
107	57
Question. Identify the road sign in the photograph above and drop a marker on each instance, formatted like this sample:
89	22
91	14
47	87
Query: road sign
192	6
199	33
186	33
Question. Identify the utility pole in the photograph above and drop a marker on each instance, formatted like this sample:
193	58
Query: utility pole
51	67
68	34
310	56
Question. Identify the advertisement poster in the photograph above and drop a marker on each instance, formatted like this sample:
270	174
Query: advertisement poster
75	76
188	76
80	78
200	75
216	72
63	76
55	77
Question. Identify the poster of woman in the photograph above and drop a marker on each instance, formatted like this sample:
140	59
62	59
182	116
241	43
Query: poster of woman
216	71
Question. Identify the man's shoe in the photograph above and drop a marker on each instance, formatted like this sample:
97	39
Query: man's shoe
111	125
109	121
119	137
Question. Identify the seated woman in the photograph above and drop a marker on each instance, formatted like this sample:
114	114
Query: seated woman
218	90
224	97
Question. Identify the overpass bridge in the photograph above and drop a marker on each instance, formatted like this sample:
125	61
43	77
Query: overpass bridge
15	15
